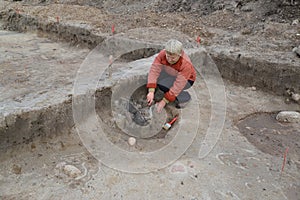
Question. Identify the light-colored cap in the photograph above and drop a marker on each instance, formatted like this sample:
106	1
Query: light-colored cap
173	46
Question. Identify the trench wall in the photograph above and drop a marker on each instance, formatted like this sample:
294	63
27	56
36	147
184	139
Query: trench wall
275	77
23	127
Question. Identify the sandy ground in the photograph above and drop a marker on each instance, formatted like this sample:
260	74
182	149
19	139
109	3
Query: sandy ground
235	169
246	162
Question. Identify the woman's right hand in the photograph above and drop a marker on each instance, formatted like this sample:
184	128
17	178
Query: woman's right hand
150	97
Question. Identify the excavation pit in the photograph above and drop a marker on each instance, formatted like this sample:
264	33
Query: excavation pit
271	136
125	113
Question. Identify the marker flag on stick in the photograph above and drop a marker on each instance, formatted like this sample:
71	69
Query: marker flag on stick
198	39
113	29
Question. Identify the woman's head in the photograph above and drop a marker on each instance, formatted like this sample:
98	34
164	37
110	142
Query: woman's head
173	51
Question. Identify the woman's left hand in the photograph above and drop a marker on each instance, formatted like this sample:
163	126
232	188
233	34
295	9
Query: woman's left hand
160	105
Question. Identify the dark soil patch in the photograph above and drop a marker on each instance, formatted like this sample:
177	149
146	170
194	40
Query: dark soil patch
271	136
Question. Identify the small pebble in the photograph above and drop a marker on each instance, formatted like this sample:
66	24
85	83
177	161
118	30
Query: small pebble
131	141
16	169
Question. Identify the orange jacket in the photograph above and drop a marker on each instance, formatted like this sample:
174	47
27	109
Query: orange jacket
183	69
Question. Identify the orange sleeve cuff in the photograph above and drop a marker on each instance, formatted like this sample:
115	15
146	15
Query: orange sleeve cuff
151	85
169	97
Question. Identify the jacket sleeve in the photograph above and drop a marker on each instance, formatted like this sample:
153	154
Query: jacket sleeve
154	72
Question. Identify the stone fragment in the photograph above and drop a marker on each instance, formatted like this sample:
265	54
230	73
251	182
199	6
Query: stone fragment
288	116
16	169
60	165
178	168
71	171
295	22
247	8
296	50
296	97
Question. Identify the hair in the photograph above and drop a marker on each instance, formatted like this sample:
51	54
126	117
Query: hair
173	46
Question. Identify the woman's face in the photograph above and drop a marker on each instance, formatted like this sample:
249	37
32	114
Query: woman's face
172	58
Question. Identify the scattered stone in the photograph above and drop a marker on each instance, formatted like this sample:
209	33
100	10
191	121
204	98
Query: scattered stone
287	101
239	5
248	185
33	147
71	171
44	57
246	31
178	168
247	8
296	97
288	116
296	50
253	88
295	22
60	165
16	169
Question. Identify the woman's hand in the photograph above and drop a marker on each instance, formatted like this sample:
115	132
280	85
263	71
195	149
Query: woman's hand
160	105
150	97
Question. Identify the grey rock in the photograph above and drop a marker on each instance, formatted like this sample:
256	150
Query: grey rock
296	50
131	108
139	119
71	171
295	22
296	97
247	8
288	116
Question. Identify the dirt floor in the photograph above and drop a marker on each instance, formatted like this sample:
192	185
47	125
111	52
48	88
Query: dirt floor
38	68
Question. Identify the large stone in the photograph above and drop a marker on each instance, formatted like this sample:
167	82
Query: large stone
288	116
71	171
296	50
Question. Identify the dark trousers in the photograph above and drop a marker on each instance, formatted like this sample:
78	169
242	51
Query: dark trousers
166	81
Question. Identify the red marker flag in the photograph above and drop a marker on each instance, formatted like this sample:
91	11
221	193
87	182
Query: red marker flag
284	159
198	39
113	29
